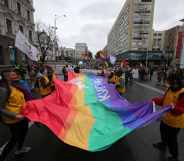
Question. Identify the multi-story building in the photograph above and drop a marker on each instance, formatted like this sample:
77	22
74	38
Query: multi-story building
173	42
132	30
15	15
69	52
158	41
80	49
66	54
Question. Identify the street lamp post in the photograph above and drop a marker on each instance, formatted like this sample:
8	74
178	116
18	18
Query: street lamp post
56	17
147	51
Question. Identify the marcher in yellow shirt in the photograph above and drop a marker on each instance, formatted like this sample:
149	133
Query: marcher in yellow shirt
11	115
116	78
45	85
172	121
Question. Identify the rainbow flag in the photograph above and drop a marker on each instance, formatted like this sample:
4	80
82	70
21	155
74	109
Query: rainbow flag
88	113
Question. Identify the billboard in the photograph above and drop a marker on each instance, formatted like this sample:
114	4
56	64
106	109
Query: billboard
179	45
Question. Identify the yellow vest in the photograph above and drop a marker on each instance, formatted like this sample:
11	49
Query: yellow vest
53	78
54	75
115	79
121	89
45	91
15	103
176	121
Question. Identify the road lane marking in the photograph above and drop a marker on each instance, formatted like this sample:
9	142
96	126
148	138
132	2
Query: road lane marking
150	88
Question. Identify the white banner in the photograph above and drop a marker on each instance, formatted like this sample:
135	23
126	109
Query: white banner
23	45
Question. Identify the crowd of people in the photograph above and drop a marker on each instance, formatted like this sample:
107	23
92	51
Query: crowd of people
164	71
122	76
17	87
68	68
15	90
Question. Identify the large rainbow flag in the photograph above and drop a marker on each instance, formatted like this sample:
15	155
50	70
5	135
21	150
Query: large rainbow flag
88	113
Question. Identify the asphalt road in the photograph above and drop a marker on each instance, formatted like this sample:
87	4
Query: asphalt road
135	147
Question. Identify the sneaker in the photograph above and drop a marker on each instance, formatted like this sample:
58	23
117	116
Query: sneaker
1	150
2	147
23	150
172	159
1	158
161	146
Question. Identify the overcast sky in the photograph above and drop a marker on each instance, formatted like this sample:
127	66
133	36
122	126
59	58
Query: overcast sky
91	20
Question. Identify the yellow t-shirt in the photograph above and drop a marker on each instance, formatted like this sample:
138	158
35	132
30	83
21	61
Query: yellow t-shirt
44	91
176	121
15	103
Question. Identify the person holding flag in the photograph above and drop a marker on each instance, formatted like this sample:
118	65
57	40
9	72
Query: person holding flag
173	121
11	105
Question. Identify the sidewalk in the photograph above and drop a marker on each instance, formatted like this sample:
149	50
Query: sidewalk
153	83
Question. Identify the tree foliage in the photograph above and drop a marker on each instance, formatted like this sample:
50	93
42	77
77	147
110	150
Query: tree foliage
46	39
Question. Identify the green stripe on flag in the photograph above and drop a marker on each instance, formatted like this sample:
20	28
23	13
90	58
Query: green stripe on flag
108	127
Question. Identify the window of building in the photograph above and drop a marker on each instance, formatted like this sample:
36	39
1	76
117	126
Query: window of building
19	8
30	36
143	33
28	15
141	22
146	0
9	26
140	12
137	38
21	29
6	3
143	49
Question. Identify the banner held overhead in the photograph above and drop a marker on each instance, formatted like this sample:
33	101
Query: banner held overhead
22	43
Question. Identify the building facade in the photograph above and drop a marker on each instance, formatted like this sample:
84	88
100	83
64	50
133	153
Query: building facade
67	55
173	42
15	15
69	52
158	41
80	49
132	30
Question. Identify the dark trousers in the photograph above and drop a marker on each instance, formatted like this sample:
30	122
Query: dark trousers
18	134
65	77
169	136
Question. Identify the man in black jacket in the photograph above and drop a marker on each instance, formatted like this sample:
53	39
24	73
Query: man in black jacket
65	73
